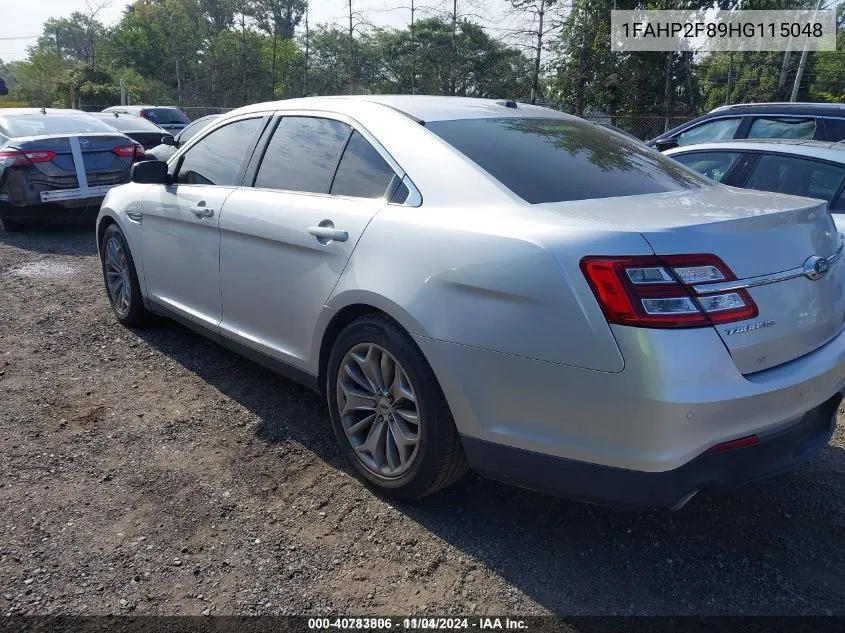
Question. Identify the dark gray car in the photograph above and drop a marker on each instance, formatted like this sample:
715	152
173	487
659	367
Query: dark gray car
58	164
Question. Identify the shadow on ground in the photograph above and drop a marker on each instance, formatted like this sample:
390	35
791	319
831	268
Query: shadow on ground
764	549
77	239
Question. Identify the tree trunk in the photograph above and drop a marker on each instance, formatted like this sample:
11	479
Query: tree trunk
453	49
535	80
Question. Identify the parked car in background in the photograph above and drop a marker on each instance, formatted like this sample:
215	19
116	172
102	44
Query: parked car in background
58	164
169	118
630	334
802	121
813	169
4	90
147	133
165	150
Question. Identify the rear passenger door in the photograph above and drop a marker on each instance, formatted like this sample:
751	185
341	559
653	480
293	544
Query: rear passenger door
286	239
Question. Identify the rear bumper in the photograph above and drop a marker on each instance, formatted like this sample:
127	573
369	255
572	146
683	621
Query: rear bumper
775	453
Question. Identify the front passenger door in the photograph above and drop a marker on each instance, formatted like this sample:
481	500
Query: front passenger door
180	236
286	241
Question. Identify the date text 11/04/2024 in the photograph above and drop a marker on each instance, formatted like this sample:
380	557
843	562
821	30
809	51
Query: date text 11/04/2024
418	623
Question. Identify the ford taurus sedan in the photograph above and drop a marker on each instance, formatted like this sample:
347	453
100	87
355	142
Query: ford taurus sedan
493	285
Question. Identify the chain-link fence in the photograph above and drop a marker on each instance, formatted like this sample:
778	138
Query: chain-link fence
643	127
193	112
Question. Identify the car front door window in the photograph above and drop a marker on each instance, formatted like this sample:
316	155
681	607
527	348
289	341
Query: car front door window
714	165
717	130
216	159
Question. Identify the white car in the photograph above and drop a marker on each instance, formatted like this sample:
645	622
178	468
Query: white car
496	285
814	169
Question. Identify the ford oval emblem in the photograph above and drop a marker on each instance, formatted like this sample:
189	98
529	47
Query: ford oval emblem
815	267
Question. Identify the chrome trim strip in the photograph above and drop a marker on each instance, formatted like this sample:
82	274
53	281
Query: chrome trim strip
762	280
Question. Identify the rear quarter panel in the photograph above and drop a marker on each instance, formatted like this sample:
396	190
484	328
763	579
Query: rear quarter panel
458	276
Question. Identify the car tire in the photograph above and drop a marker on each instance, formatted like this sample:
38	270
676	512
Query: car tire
369	353
120	279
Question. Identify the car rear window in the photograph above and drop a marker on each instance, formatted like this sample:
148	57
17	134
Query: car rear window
554	160
129	123
43	124
165	116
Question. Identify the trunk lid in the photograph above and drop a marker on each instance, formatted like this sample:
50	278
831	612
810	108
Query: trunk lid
756	235
100	163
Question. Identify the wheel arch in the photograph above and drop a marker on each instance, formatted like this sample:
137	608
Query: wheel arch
343	310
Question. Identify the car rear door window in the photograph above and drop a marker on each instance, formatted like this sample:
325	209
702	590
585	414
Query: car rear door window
362	171
303	154
796	176
835	129
216	159
716	130
714	165
782	127
552	160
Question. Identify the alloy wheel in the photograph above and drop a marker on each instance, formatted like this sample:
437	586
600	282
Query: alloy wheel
118	282
378	410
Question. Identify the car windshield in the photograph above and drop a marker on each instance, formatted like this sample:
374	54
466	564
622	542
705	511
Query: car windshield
166	116
128	123
553	160
52	123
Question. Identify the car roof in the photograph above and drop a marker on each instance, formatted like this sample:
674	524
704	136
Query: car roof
423	108
19	111
837	109
813	149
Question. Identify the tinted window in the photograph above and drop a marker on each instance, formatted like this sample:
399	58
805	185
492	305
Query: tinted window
838	205
786	127
717	130
798	176
711	164
550	160
835	129
165	116
189	131
400	196
302	155
128	123
215	159
37	124
362	171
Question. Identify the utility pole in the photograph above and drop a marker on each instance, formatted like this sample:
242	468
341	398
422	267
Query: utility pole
351	58
804	54
122	92
307	51
413	54
535	80
453	53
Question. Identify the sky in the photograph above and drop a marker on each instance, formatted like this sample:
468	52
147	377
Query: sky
21	20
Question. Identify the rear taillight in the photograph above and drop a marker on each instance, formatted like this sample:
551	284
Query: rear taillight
142	114
134	150
15	157
649	291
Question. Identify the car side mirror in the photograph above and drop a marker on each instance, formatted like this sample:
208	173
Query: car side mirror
665	143
168	140
150	172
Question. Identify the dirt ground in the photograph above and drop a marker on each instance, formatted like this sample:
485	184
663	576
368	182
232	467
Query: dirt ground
153	472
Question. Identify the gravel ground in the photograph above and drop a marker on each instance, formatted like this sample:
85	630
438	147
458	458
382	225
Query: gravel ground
153	472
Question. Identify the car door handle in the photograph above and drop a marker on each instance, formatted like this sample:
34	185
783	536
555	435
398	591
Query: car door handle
202	211
328	233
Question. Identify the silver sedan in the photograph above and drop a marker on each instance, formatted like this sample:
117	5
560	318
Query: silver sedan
496	286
